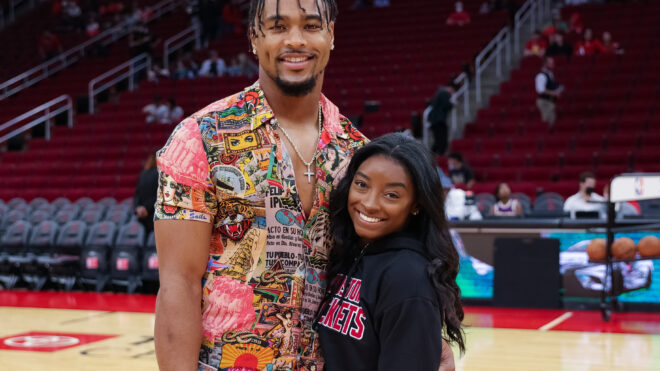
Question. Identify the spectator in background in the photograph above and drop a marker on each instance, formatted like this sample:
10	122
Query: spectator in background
505	205
459	171
381	3
610	46
140	40
232	16
456	207
586	199
213	66
175	112
92	28
185	67
536	46
442	104
156	111
416	129
459	17
157	72
145	194
558	26
49	45
548	90
72	16
588	45
558	47
247	67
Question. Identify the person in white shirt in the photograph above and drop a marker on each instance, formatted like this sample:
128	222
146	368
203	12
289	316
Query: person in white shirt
156	112
586	199
175	112
214	66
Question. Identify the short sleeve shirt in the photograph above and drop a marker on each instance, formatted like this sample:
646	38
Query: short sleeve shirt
265	277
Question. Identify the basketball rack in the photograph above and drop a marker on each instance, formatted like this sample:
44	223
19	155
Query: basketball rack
623	188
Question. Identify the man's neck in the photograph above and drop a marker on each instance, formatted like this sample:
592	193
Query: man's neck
292	110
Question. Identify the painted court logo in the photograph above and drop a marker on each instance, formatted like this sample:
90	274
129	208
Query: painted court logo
48	341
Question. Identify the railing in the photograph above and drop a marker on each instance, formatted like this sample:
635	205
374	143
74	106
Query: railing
47	112
532	12
464	93
180	40
127	70
59	62
497	48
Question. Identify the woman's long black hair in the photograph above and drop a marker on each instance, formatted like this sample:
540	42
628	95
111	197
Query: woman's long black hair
429	224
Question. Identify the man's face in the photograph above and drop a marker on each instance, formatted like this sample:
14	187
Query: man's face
588	183
550	63
294	49
453	163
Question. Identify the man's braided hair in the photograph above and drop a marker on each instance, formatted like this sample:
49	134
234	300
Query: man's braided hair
328	13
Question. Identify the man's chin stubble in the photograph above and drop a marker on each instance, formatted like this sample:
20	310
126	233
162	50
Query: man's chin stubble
297	89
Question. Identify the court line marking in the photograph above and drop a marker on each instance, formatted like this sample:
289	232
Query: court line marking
87	317
556	321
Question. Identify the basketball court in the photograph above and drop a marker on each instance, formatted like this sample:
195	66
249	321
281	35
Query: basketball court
89	331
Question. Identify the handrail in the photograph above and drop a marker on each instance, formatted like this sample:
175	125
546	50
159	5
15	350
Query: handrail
180	40
135	65
48	114
63	60
493	51
462	92
534	11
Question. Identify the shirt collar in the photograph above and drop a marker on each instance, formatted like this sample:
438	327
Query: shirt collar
260	112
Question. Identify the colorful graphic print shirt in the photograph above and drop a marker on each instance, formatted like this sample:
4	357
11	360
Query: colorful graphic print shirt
265	277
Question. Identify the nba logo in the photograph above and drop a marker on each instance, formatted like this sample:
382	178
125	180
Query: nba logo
92	262
122	264
153	262
639	186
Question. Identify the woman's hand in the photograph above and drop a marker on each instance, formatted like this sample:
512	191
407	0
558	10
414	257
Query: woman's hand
447	359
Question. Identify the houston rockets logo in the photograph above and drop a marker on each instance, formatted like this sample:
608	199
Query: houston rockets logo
238	218
344	314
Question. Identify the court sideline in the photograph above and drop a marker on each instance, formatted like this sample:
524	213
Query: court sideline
89	331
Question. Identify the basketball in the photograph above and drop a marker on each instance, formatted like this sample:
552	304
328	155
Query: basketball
624	248
649	246
596	249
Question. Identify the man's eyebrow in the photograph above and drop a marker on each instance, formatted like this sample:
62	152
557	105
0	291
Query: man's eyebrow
275	18
315	17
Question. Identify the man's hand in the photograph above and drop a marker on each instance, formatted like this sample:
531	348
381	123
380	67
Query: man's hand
141	212
447	359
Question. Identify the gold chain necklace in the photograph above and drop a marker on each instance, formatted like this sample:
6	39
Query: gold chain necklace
309	172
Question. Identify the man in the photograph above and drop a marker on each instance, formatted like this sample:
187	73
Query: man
459	172
442	104
558	47
243	206
156	112
214	66
586	199
459	17
548	90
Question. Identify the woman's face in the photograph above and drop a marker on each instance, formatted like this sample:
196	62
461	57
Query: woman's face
168	190
504	192
381	198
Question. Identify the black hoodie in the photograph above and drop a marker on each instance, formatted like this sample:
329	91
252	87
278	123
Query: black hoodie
386	315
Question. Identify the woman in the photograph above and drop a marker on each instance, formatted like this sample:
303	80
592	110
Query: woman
392	296
505	205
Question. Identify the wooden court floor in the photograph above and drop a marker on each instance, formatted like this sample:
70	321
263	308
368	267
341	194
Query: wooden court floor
85	331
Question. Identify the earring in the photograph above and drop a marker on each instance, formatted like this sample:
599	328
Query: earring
415	212
254	50
332	47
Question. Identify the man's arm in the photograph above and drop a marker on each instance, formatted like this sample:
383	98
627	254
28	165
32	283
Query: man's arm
183	252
